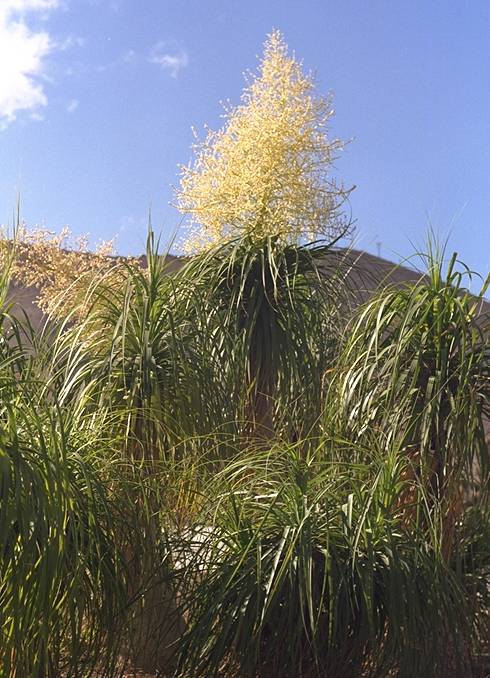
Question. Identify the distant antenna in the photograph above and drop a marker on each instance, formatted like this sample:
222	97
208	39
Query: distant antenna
378	247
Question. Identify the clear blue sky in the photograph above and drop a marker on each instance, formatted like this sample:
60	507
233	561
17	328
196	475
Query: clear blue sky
99	96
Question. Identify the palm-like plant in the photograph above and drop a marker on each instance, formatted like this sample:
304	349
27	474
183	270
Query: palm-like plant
258	190
305	568
416	369
79	557
271	304
62	572
124	357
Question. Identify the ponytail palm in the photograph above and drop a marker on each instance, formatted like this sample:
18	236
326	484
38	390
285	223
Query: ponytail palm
276	309
62	572
257	191
139	345
305	569
416	369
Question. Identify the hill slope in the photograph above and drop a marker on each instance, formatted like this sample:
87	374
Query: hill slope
369	271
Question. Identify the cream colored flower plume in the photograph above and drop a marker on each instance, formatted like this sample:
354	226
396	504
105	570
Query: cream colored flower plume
267	171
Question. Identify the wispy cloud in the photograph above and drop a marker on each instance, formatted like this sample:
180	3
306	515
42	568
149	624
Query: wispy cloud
71	41
23	53
170	60
127	58
72	105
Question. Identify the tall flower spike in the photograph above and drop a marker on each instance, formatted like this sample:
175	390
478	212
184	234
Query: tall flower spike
267	171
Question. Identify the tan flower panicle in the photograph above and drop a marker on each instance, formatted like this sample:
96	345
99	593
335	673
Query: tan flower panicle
267	171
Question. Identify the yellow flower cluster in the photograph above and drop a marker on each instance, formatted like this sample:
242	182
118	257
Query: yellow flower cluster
59	265
267	171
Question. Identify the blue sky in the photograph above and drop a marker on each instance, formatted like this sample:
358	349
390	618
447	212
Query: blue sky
98	97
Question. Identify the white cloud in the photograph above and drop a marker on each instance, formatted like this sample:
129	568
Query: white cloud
22	58
172	61
72	105
10	6
71	41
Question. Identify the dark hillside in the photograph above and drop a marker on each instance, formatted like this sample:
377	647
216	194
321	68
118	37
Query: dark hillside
368	272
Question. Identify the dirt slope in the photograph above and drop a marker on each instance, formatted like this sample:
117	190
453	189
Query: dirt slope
368	272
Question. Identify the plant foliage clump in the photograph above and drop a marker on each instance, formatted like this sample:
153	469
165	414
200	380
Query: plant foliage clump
225	470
